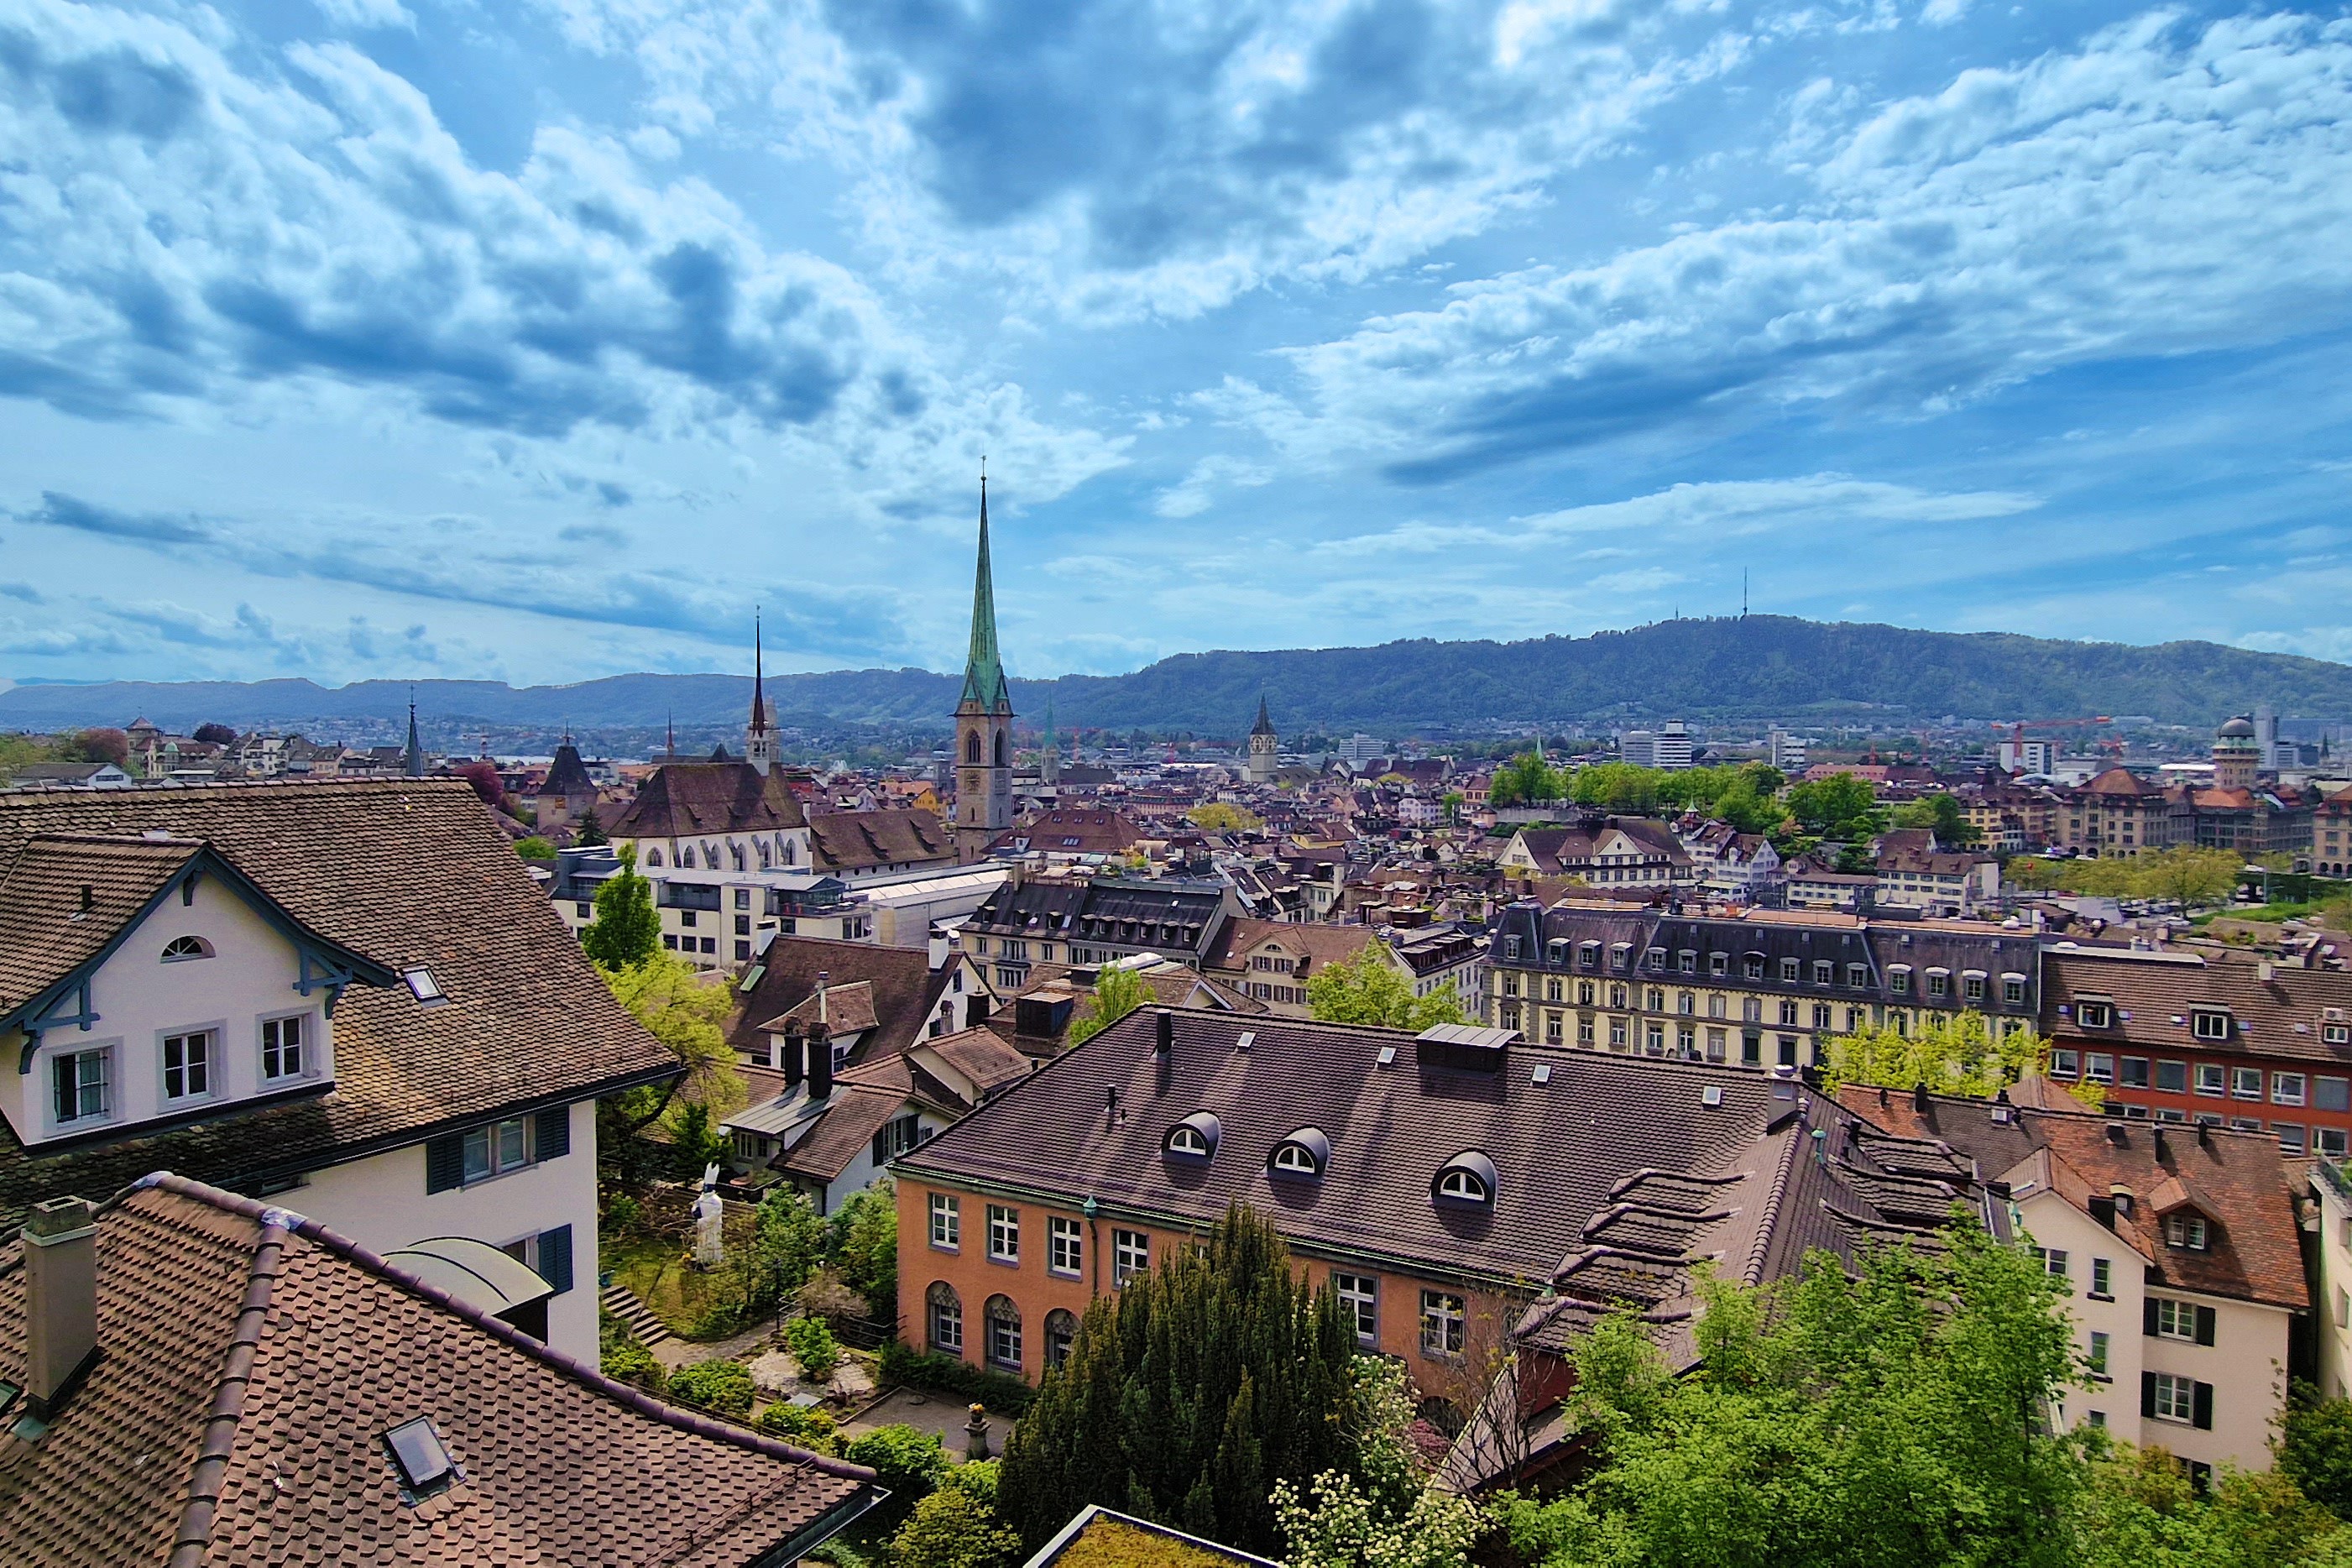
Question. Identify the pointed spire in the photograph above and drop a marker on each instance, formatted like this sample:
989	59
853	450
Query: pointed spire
984	686
1265	725
759	680
412	758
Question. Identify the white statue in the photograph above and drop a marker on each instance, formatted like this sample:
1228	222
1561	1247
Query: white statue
709	1216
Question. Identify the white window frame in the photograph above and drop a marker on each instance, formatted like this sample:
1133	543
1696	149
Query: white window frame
1444	1323
1360	1299
2288	1088
208	1068
1130	1255
947	1222
1065	1248
1003	1234
493	1136
2209	1024
2188	1231
107	1086
304	1047
2175	1398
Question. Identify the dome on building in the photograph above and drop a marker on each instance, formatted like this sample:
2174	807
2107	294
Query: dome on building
2240	728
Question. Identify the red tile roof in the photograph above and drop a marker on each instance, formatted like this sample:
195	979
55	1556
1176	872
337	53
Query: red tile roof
253	1360
682	800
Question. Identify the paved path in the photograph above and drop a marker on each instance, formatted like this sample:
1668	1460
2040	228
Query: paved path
927	1411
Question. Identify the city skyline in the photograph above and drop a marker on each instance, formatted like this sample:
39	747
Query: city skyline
539	343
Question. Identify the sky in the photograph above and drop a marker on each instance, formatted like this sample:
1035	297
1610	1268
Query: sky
543	339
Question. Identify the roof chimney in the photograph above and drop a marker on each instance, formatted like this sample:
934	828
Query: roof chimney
1919	1100
820	1063
60	1301
795	1067
823	1002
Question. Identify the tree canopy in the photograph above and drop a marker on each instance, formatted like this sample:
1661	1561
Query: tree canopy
1962	1055
1188	1395
1223	817
1117	993
1371	989
626	930
1840	806
2184	873
1943	814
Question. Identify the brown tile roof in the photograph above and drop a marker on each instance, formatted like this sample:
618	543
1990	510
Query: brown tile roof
2155	993
982	1055
682	800
902	993
253	1360
1098	832
845	1131
403	872
1320	945
2117	782
1603	1134
2238	1179
855	840
844	1010
65	897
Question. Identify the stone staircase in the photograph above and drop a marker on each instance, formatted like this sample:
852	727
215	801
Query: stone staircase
624	1304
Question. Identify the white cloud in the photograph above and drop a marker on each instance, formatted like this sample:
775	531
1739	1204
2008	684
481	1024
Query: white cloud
2159	191
1197	490
365	13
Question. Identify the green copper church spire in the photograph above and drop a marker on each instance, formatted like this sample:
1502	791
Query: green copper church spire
984	684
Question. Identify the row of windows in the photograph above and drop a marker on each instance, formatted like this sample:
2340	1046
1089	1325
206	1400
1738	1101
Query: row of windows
1001	1345
2333	1142
2204	1023
785	853
83	1084
1065	1241
1937	982
2214	1081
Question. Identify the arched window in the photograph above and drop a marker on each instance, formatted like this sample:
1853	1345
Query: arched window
1001	739
1462	1185
1467	1178
971	748
1195	1137
1060	1333
1304	1154
1003	1333
945	1311
686	858
181	949
761	846
653	856
735	855
792	851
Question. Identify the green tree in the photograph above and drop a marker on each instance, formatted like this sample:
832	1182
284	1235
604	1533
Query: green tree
626	930
683	1008
694	1145
1189	1394
953	1528
1223	817
2188	875
1944	815
534	848
1384	1513
1117	993
1840	806
1957	1055
863	1238
804	1426
722	1387
1369	989
787	1245
1525	780
1890	1417
910	1462
1453	801
2316	1448
587	833
813	1345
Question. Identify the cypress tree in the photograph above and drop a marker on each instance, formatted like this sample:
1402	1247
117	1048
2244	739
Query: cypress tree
1187	1396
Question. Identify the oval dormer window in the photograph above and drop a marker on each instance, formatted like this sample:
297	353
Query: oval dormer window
1195	1137
1467	1178
181	949
1304	1154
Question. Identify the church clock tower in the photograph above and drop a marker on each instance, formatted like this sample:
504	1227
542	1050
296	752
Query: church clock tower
983	718
759	734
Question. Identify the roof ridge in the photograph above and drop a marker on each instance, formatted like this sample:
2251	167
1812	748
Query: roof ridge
191	1538
1752	1272
591	1378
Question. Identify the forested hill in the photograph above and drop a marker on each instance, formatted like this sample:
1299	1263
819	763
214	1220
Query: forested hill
1762	667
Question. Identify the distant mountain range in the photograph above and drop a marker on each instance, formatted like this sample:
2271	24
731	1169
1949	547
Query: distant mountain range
1714	670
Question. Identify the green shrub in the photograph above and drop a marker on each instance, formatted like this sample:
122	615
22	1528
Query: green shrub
804	1427
953	1529
999	1391
813	1345
977	1477
534	848
723	1387
631	1362
910	1463
624	1216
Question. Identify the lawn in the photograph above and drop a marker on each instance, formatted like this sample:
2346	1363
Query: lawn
657	1269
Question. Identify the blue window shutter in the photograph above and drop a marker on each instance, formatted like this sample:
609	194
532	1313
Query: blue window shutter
444	1162
554	1132
555	1257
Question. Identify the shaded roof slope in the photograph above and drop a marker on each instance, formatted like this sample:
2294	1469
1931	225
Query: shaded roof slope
901	990
293	1350
684	799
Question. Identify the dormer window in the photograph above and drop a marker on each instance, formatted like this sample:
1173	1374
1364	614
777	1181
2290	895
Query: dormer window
2209	1023
2186	1230
182	949
1304	1154
2099	1013
1752	966
1898	979
1195	1137
1467	1178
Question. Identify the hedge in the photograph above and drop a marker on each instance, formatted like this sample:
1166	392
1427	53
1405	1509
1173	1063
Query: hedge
999	1391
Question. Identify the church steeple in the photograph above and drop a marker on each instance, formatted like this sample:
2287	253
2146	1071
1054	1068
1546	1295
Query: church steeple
1263	746
413	758
983	669
983	718
759	738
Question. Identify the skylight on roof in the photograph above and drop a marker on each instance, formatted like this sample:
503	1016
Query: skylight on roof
423	986
422	1458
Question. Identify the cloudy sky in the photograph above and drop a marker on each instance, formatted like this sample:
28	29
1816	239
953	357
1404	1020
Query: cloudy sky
540	339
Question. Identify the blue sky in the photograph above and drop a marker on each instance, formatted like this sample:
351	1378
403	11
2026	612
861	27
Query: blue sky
540	340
